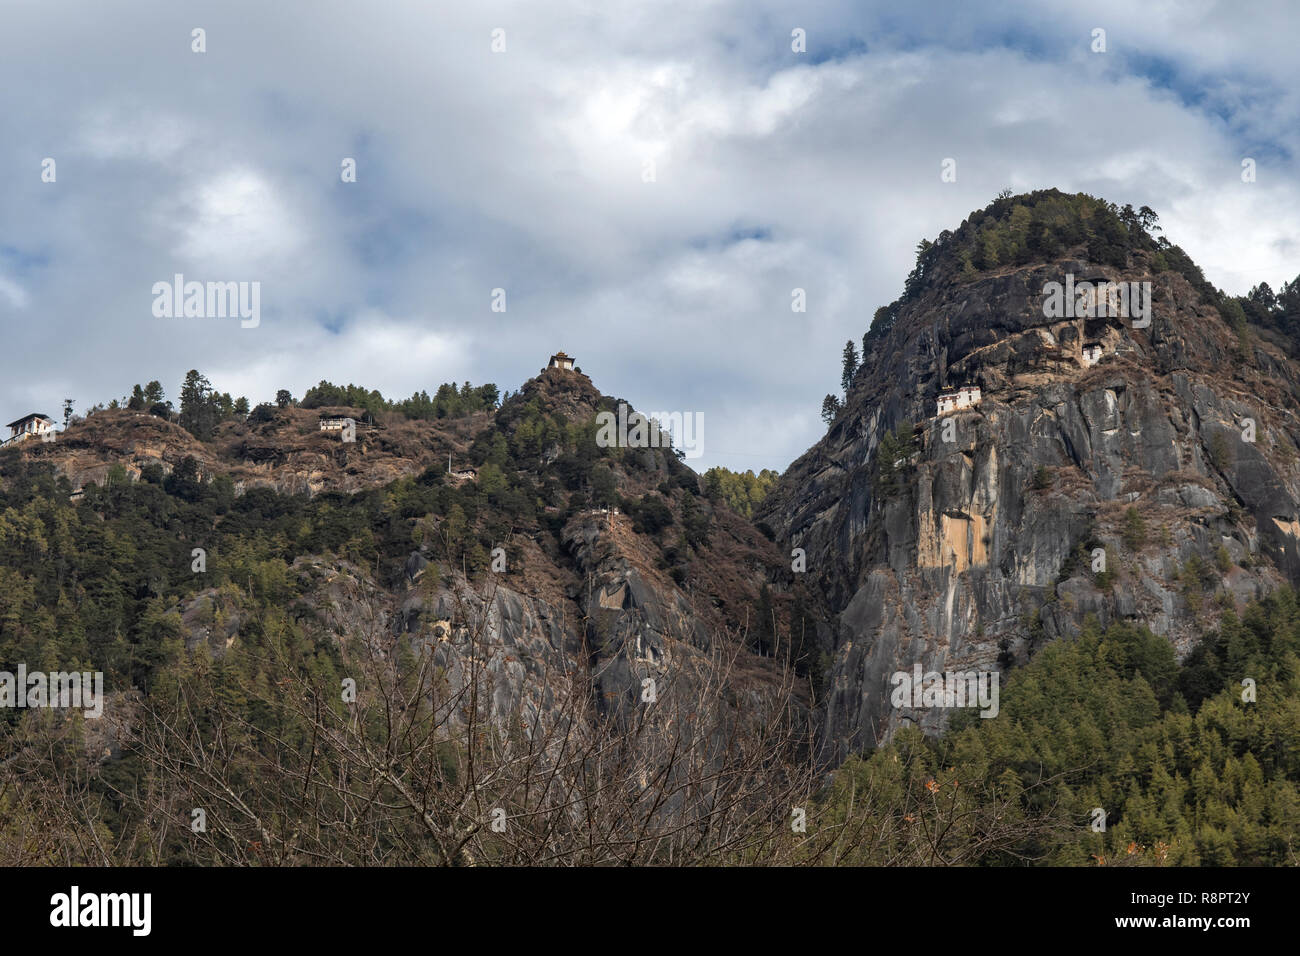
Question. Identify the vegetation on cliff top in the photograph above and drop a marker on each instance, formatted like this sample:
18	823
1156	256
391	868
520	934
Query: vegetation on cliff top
743	491
1040	226
1186	771
203	408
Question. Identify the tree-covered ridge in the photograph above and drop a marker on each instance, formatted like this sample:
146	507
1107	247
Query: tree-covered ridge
1038	227
741	490
108	581
1278	311
1185	770
447	402
203	408
99	582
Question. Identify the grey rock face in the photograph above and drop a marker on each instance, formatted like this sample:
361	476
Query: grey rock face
628	642
514	650
970	566
415	565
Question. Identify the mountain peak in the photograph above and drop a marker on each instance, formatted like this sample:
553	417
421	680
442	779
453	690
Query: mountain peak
1013	421
1046	228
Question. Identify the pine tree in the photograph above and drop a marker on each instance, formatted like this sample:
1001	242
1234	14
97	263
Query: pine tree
850	367
199	413
830	409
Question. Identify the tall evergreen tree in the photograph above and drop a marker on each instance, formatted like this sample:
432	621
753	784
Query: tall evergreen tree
830	409
850	366
199	412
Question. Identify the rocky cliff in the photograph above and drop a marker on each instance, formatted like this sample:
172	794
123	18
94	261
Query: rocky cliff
1173	459
547	563
282	450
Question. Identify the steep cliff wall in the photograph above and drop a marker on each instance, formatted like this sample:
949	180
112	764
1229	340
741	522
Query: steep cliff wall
1175	457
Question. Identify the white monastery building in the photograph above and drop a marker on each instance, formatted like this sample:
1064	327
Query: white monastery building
29	426
956	399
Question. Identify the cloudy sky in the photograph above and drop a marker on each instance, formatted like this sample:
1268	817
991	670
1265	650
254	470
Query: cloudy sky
526	170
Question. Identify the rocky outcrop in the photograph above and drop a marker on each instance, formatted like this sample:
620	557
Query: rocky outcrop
625	630
1172	458
288	454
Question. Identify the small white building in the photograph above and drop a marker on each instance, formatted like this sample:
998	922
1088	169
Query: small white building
34	425
333	424
460	474
955	399
1092	353
560	360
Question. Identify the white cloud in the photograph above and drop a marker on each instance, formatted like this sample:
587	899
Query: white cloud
14	293
113	132
523	170
238	220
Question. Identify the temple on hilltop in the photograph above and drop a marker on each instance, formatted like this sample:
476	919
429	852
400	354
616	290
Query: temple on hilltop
33	425
560	360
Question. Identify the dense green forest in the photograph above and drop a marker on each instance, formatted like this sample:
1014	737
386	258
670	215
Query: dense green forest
1190	765
742	490
447	402
203	408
